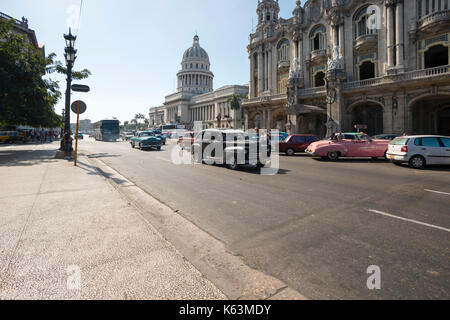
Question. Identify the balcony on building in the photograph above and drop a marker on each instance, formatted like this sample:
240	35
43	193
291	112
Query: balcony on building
433	14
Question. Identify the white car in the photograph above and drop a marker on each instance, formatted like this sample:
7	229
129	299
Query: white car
420	151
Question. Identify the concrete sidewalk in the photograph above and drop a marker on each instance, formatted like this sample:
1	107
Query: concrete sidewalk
66	233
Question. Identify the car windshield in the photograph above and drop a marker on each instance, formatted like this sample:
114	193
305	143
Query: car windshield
400	142
147	134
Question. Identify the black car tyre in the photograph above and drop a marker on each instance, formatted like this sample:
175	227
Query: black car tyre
158	148
196	158
333	156
234	165
290	152
417	162
260	165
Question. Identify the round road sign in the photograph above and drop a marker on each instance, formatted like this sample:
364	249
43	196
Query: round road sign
74	107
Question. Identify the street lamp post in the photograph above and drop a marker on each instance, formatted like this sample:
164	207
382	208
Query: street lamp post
70	55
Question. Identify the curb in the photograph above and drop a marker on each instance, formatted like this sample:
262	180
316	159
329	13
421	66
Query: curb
226	271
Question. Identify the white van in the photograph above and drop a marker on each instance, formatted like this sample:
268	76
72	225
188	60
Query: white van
420	151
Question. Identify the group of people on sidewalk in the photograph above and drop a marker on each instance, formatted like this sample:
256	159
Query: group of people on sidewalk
42	136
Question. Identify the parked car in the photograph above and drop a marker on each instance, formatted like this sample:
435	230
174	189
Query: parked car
296	143
420	151
146	140
80	136
235	153
283	136
160	136
185	142
389	137
11	137
126	136
353	145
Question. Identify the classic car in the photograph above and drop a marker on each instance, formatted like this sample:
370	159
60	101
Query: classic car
229	147
389	137
353	145
296	143
146	140
160	136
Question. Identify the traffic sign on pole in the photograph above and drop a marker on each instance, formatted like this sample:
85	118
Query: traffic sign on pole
80	88
82	107
79	107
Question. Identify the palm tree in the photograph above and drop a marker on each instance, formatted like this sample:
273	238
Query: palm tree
235	102
137	117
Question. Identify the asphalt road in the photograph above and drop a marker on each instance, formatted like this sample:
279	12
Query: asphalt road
316	225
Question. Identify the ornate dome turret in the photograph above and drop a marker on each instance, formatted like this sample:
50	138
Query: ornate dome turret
195	75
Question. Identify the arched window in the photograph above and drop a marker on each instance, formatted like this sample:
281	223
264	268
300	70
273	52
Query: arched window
283	50
361	22
319	79
318	37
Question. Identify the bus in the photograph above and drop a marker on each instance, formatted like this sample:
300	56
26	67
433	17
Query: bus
172	130
107	130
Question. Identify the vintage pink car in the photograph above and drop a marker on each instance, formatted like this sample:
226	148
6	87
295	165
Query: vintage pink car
353	145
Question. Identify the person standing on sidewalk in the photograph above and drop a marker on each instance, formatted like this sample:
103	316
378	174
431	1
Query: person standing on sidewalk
67	145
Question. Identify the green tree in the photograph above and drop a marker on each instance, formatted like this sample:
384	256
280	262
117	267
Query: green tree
25	97
235	103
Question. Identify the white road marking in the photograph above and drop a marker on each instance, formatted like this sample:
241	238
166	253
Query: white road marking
408	220
438	192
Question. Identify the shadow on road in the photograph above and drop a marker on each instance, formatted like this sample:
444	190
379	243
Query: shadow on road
102	155
91	170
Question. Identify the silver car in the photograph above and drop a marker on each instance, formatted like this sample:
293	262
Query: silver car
420	151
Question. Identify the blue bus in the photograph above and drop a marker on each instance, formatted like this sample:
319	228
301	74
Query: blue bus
107	130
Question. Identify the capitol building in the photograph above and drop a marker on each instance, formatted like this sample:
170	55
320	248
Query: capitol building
195	98
381	66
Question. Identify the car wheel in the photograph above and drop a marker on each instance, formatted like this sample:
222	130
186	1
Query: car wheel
290	152
132	145
159	148
260	165
333	156
196	157
234	165
417	162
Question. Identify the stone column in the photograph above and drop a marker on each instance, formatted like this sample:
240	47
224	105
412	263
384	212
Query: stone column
260	72
269	70
335	29
399	34
341	40
269	120
246	120
390	35
250	83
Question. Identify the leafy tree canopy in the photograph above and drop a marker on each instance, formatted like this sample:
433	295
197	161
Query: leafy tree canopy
25	97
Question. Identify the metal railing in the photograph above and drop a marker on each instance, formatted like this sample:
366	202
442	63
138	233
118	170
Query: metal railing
433	17
312	91
407	76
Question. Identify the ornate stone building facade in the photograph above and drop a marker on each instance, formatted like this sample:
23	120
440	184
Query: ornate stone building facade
381	65
195	99
21	27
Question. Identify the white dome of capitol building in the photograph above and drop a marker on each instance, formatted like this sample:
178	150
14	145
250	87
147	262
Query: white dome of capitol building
195	75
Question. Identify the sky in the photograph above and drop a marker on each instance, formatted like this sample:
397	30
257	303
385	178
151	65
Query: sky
134	48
